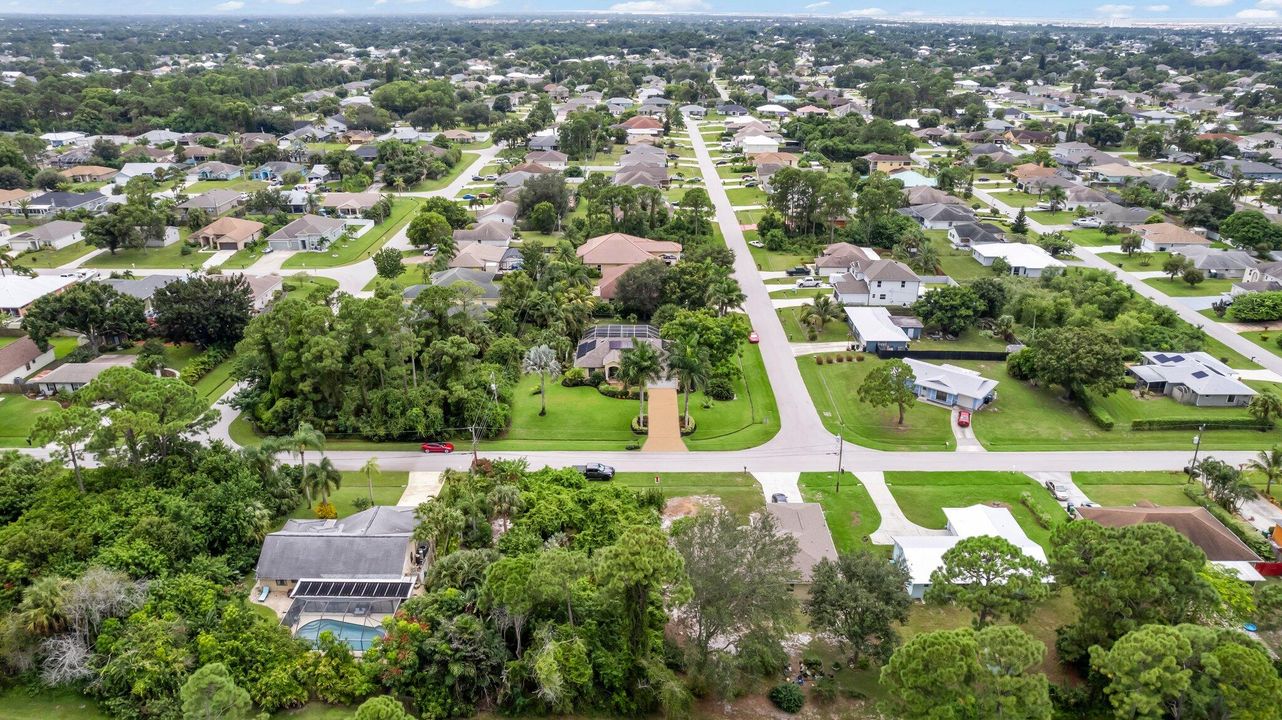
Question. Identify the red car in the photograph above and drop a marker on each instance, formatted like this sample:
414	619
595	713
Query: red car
438	447
963	418
754	338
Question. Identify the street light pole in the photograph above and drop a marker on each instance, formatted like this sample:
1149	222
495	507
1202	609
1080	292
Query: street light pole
1197	446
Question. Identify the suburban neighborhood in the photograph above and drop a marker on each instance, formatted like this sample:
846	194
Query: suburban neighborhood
845	365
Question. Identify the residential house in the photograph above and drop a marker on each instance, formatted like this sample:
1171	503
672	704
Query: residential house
131	170
643	175
1221	547
732	110
922	555
1024	260
1217	263
939	216
70	377
951	386
877	282
11	200
549	159
53	235
836	259
975	233
923	195
214	202
263	289
601	348
489	233
495	258
782	159
142	288
88	173
1193	378
215	171
485	283
695	111
50	203
1228	168
59	139
309	232
199	154
228	233
459	136
18	292
275	170
880	162
20	358
874	329
320	174
1120	215
349	205
806	524
1167	237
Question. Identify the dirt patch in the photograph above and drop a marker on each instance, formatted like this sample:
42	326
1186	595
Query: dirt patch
688	506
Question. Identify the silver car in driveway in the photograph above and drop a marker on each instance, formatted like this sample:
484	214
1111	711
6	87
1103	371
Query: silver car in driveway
1058	490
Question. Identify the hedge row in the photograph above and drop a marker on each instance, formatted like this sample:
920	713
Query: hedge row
1248	535
1239	423
1098	415
1042	517
202	365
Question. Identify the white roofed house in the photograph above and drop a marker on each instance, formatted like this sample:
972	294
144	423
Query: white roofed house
951	386
924	554
53	235
1024	260
1193	378
875	330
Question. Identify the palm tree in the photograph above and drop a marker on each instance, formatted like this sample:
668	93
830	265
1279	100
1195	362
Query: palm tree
263	459
324	478
689	363
438	523
1269	464
1238	185
503	500
1005	326
369	470
41	610
24	207
11	264
639	366
1265	405
542	360
303	439
1056	196
819	312
926	261
725	294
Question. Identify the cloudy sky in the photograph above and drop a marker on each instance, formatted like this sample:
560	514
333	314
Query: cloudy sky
1249	11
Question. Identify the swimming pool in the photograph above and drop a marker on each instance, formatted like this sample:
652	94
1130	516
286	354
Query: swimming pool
357	637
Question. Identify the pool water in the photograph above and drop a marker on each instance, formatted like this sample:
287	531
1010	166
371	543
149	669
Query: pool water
356	637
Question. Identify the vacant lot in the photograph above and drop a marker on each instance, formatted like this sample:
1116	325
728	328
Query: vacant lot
924	495
1128	488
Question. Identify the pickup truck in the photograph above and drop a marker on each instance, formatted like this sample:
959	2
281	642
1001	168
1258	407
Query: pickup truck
596	471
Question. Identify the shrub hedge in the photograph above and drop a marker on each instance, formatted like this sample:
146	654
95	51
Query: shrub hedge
1239	423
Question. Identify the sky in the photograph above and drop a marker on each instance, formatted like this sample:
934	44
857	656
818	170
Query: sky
1238	11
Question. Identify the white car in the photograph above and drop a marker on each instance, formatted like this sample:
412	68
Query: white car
1088	222
809	282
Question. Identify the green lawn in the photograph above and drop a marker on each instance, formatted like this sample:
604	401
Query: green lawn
1091	237
17	704
216	382
304	285
17	416
55	258
582	418
834	391
388	487
1128	488
924	495
1025	417
1229	356
1179	288
775	261
151	258
851	514
1059	217
789	292
1195	174
244	257
1017	199
345	252
746	196
749	217
957	264
971	339
739	493
465	161
833	330
1139	262
242	184
63	345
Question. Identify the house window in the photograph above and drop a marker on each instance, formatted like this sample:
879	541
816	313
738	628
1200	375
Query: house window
282	583
881	296
903	283
1231	399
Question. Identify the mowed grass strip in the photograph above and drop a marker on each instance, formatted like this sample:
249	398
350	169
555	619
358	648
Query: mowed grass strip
851	514
834	389
1112	489
924	495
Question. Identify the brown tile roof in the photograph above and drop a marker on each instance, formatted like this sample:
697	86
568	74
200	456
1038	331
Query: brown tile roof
623	249
1194	523
1165	233
232	228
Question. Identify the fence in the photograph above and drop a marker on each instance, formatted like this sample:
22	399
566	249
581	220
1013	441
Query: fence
886	353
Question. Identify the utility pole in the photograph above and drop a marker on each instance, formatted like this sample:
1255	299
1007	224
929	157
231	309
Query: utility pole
841	446
1197	445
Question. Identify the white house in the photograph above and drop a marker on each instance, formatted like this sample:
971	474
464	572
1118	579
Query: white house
951	385
1025	260
877	282
129	171
1194	378
758	144
53	235
874	329
923	555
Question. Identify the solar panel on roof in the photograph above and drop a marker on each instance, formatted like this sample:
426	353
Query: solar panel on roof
365	589
1201	374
